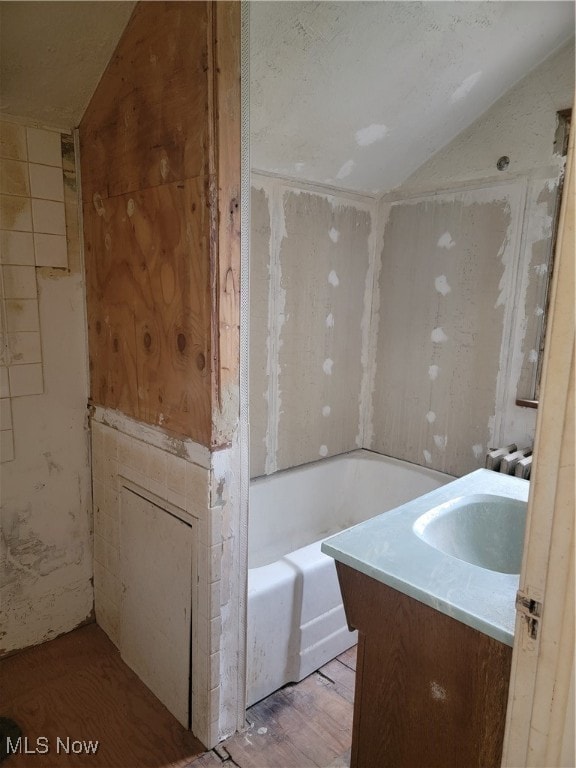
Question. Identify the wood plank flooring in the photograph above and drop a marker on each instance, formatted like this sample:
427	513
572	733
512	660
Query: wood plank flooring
77	686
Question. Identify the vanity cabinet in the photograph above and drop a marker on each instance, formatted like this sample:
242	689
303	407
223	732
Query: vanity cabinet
431	692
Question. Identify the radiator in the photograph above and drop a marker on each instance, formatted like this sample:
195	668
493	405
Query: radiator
510	460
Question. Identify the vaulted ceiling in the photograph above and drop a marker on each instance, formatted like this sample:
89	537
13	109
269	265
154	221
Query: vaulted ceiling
360	94
352	94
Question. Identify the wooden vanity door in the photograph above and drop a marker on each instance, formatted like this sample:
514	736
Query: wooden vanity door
431	692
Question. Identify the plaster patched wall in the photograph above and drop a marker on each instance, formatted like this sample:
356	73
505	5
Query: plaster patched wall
444	285
310	263
464	269
46	544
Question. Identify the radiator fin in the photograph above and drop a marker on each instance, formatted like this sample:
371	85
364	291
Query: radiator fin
510	460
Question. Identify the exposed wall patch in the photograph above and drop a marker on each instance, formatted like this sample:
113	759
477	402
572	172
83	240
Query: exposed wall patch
371	134
333	279
433	372
478	450
333	234
427	456
323	450
441	441
327	366
326	410
430	417
441	285
438	336
465	87
445	241
330	320
346	169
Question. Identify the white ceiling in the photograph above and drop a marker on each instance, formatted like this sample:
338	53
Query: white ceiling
52	55
353	94
360	94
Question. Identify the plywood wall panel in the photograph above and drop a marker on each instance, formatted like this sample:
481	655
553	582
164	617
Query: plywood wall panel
147	121
160	147
149	305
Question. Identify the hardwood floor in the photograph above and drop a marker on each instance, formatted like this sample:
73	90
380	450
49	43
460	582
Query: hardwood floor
77	687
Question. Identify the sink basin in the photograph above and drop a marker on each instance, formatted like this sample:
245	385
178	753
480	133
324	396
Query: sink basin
482	529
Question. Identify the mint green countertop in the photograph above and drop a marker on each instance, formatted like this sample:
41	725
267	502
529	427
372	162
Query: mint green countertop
388	549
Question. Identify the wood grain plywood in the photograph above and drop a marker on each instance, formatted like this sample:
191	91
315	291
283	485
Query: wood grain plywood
225	164
149	305
430	691
147	124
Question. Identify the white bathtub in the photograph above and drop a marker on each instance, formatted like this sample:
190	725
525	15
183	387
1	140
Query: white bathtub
296	620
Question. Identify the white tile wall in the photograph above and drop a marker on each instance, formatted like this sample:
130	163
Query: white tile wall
26	380
17	248
32	234
117	458
46	182
44	147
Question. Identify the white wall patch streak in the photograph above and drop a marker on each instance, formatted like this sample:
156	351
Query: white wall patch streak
438	336
427	456
433	372
533	356
538	311
323	450
333	234
430	417
541	269
276	320
445	241
326	410
366	136
465	87
327	366
437	692
441	441
333	279
379	216
346	169
478	450
330	320
441	285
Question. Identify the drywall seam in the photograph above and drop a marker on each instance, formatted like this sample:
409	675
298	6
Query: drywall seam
512	266
186	449
276	317
399	195
327	190
370	329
